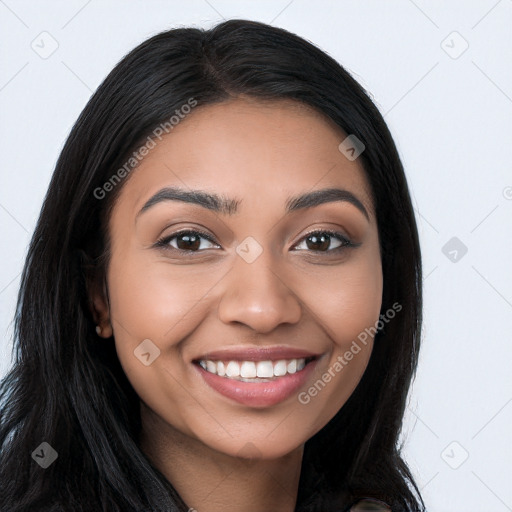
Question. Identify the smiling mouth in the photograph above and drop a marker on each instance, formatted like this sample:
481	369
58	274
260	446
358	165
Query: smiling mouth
255	371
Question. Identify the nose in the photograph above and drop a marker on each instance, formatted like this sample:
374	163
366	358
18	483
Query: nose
256	295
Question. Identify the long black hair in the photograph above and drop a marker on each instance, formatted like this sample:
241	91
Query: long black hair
67	387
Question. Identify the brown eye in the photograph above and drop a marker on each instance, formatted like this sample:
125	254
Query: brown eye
188	242
191	241
318	243
323	241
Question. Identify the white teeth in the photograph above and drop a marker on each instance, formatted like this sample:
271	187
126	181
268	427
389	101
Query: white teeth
252	370
292	366
280	368
232	369
265	369
248	370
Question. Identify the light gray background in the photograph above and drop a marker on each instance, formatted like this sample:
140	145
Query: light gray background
450	112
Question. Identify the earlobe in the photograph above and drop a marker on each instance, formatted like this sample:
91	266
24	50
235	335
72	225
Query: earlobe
100	310
106	332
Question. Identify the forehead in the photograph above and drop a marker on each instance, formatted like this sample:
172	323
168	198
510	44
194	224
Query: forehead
257	151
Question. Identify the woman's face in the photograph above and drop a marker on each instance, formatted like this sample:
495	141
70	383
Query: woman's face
261	289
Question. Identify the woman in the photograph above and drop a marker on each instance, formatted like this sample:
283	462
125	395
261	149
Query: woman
221	304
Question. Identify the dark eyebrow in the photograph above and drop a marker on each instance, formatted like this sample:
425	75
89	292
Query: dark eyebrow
228	206
326	195
204	199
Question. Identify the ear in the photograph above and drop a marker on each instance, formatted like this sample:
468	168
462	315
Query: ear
100	308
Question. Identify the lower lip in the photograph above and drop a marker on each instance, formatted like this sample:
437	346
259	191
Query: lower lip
259	394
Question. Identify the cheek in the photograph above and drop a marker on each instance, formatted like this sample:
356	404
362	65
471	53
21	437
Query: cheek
159	303
346	304
155	301
349	306
347	299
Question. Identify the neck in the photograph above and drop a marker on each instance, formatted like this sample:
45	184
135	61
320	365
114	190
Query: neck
211	481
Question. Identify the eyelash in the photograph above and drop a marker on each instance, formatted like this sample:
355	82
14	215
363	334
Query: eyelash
345	242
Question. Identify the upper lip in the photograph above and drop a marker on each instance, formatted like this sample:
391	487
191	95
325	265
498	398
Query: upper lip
256	354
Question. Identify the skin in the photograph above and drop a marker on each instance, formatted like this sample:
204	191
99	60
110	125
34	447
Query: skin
219	454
